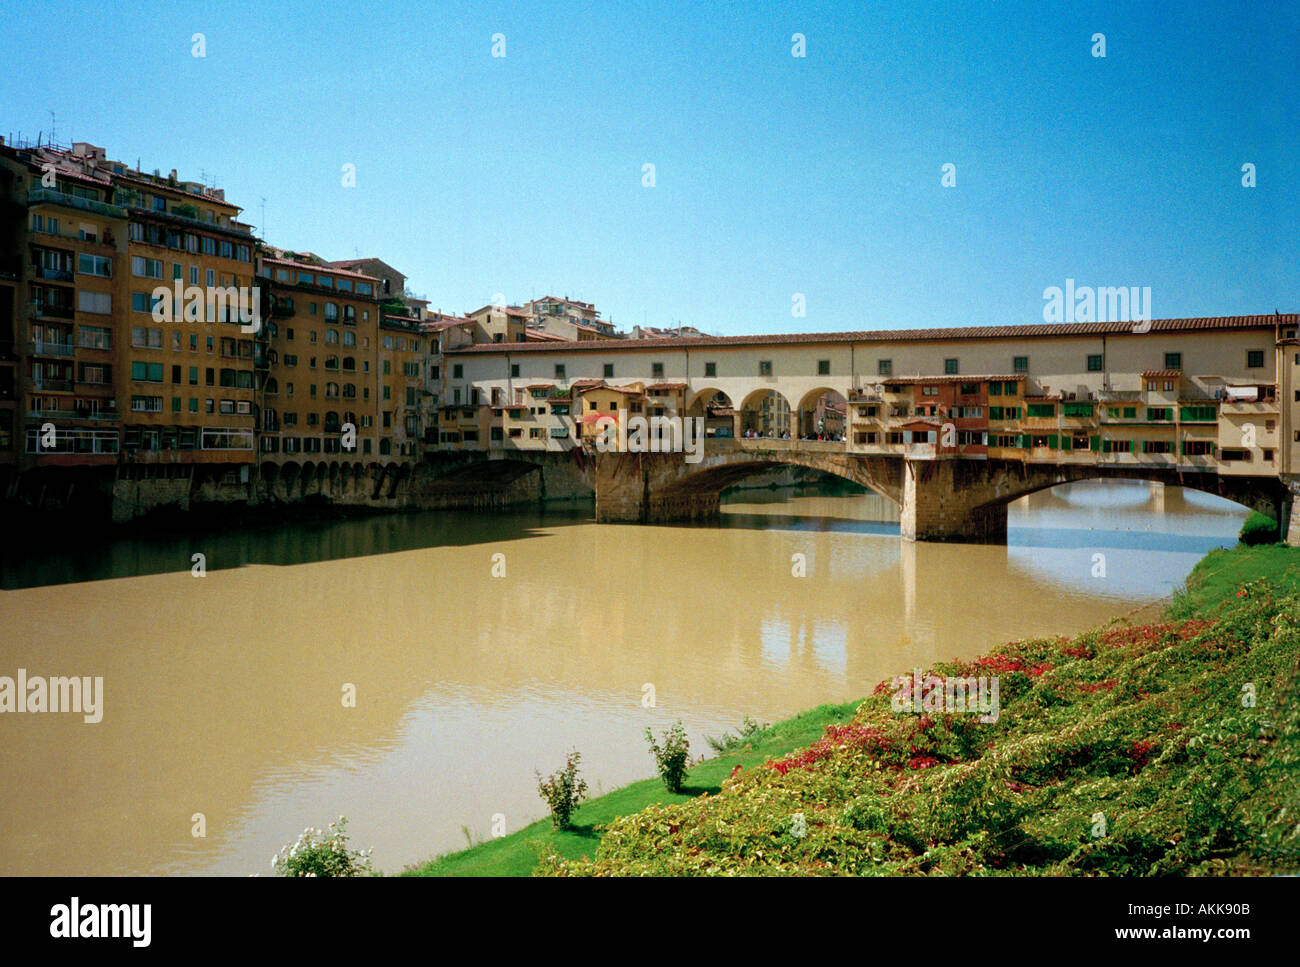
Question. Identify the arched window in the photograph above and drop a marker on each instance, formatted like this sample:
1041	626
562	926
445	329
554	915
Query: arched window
272	386
331	312
331	362
349	338
332	421
331	391
331	337
349	364
349	391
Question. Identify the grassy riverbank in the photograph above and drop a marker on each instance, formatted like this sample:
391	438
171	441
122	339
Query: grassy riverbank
1162	748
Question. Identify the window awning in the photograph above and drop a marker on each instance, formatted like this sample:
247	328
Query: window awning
1242	392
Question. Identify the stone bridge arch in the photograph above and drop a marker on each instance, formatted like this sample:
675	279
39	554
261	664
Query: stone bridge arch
662	486
966	500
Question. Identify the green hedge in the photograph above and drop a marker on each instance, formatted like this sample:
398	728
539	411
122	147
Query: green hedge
1258	529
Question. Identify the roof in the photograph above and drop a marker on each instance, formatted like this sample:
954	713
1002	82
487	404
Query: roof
926	424
1205	323
666	386
315	269
625	390
1162	374
538	335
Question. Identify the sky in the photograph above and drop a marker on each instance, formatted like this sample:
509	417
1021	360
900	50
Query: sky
778	180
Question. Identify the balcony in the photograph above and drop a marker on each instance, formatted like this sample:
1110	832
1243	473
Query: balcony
43	347
50	310
53	275
52	384
51	196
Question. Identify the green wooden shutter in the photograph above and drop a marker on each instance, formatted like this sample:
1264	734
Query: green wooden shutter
1051	441
1094	443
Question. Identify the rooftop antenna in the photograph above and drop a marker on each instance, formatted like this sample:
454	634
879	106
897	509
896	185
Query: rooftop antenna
52	128
263	216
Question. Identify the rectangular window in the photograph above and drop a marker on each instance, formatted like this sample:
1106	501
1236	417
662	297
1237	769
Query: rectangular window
1041	410
1019	364
99	265
657	370
765	368
559	370
146	268
609	370
1172	361
1254	359
1095	363
884	367
950	366
823	367
514	371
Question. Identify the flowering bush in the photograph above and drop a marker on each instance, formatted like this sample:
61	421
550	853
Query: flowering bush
672	756
563	791
319	853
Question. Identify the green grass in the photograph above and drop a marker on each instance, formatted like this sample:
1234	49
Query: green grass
1218	576
519	853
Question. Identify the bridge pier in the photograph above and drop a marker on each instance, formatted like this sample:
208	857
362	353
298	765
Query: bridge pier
939	507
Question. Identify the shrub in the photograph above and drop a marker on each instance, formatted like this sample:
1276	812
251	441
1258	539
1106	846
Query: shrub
671	757
563	791
322	854
1258	529
749	731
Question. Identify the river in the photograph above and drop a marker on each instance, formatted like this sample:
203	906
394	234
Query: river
224	695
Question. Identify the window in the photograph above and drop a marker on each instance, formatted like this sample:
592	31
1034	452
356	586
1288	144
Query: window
559	370
514	371
609	370
147	372
657	370
331	312
884	367
95	265
146	268
950	367
1019	364
823	367
1041	410
1254	359
1159	414
1172	361
969	389
1095	363
995	388
765	368
457	370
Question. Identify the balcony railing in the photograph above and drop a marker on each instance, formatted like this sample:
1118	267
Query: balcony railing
44	347
52	196
50	310
53	275
51	383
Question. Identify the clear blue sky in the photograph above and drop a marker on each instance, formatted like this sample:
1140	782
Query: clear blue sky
775	175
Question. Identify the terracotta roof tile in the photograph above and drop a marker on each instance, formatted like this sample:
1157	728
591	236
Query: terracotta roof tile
912	335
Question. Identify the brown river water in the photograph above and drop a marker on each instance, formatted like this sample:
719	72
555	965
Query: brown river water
223	695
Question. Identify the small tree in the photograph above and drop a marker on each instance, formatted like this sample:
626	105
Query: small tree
563	791
672	756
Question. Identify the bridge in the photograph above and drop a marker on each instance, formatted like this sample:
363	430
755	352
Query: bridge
950	424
